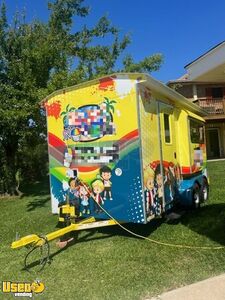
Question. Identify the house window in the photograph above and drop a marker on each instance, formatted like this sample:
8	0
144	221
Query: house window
196	131
217	92
167	128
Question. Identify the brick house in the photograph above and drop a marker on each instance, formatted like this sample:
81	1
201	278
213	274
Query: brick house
204	84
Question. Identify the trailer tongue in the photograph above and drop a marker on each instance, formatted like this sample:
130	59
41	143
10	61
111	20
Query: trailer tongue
36	240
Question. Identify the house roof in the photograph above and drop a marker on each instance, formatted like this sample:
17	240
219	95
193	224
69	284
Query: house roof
211	49
190	82
208	67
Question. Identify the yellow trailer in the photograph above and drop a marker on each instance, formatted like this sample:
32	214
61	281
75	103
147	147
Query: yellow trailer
124	147
135	143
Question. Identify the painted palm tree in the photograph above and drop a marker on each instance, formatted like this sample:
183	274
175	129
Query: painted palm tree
65	113
109	105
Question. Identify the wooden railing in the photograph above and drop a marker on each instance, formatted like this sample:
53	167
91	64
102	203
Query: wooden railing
214	106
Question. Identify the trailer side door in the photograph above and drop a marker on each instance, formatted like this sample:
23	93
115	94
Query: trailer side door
168	176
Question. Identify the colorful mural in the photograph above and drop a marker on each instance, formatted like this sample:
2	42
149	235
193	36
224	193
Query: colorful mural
93	149
113	146
156	184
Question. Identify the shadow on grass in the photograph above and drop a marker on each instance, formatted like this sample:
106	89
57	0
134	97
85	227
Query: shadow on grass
38	188
32	205
39	191
140	229
208	221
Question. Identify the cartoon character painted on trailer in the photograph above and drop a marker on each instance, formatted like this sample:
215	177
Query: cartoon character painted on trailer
150	192
98	188
158	179
166	182
84	199
177	173
169	184
74	194
106	173
173	180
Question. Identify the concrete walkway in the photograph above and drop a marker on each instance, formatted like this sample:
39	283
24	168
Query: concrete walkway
209	289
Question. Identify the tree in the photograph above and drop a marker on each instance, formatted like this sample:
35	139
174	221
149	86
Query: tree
37	58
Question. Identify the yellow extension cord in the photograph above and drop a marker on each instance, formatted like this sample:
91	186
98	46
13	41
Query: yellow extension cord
152	240
163	243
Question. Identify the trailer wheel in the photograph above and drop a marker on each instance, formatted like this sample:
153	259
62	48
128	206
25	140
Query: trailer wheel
204	192
196	196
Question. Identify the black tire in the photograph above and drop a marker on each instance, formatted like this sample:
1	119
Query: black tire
196	196
204	191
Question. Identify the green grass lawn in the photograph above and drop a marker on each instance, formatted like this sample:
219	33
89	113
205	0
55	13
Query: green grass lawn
108	263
